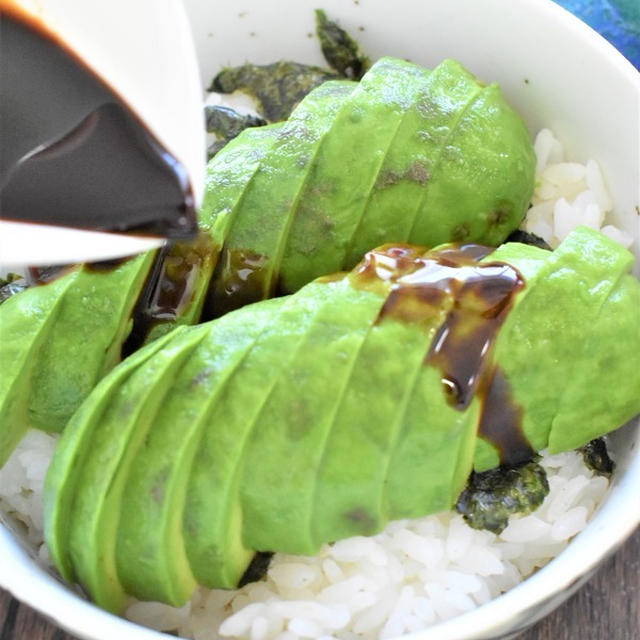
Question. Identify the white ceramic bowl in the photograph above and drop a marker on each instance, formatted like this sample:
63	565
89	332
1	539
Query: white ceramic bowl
559	74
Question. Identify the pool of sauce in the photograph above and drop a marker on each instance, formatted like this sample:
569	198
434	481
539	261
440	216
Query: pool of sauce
72	152
171	287
240	278
478	295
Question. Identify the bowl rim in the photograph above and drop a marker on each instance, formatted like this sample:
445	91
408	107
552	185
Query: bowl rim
611	525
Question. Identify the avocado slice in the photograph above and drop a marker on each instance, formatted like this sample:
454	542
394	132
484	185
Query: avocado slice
63	472
292	428
548	323
428	121
348	493
213	518
229	176
26	321
92	324
434	431
334	198
583	415
261	226
116	438
481	180
150	552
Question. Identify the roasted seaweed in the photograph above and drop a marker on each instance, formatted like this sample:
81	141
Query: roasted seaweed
278	87
525	237
340	50
227	124
492	496
257	569
596	457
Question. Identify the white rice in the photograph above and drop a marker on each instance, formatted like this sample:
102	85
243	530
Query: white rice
414	573
568	194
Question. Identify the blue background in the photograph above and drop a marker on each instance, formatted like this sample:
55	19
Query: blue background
617	20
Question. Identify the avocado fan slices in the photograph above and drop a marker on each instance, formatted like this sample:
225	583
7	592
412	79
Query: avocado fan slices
261	224
457	294
150	550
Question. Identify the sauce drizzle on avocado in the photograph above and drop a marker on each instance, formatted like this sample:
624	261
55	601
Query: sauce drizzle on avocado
478	296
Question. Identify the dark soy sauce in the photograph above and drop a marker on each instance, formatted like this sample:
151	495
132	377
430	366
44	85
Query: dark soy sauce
478	296
240	278
500	416
170	287
72	152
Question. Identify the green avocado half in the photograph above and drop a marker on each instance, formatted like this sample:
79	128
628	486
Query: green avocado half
306	419
405	155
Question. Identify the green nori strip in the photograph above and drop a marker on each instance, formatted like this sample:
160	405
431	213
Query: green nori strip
227	124
492	496
278	87
525	237
10	285
340	50
257	569
596	457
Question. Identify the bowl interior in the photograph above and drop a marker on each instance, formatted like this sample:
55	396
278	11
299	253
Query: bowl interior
555	70
558	74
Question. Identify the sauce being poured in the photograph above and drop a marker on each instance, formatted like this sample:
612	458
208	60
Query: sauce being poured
478	296
73	153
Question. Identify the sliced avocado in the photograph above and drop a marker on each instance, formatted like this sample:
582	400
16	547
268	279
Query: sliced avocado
150	553
213	440
433	453
442	416
611	366
431	157
348	488
261	226
278	86
213	519
26	321
63	472
480	183
344	171
93	322
545	330
428	121
286	446
603	360
115	441
227	176
177	293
